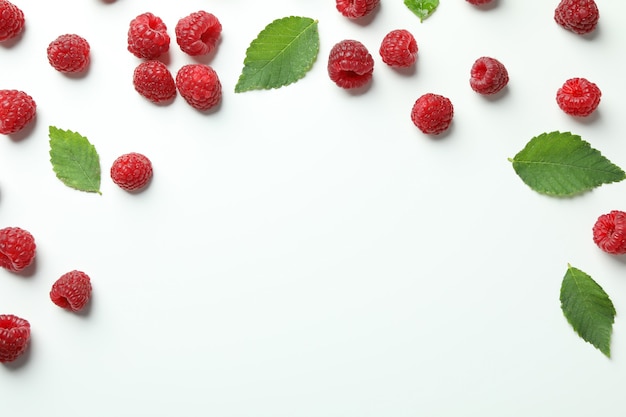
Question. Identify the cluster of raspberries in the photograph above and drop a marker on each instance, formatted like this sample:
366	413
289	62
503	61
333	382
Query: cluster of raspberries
71	291
350	65
196	34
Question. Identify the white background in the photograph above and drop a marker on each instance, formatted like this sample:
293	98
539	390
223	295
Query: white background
306	251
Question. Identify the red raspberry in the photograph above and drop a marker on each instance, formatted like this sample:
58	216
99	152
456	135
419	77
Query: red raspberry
354	9
71	291
17	109
154	81
432	113
578	97
198	33
350	65
609	232
147	36
578	16
17	248
199	85
478	2
69	53
398	49
488	76
11	20
131	171
14	337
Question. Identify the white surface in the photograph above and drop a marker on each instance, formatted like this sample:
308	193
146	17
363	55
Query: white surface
307	252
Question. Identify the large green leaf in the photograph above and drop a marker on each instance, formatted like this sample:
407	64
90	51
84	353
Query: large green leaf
588	309
422	8
74	160
282	53
562	164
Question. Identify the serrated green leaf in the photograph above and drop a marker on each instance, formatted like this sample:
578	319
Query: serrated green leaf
422	8
281	54
588	309
74	160
563	164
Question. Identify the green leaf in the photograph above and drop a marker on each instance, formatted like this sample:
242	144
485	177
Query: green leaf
281	54
74	160
562	164
422	8
588	309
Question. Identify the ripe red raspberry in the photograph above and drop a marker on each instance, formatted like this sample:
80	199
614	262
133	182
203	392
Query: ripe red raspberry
354	9
350	65
17	248
198	33
578	16
488	76
432	113
14	337
199	85
398	49
609	232
478	2
71	291
69	53
131	171
17	109
147	36
578	97
11	20
153	80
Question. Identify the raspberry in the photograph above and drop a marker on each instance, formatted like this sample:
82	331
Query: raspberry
11	20
488	76
578	97
432	113
131	171
198	33
199	85
354	9
17	248
350	65
578	16
71	291
478	2
17	109
147	36
609	232
69	53
398	49
14	337
154	81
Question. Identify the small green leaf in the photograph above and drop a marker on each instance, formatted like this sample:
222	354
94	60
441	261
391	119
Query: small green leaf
588	309
281	54
562	164
422	8
74	160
